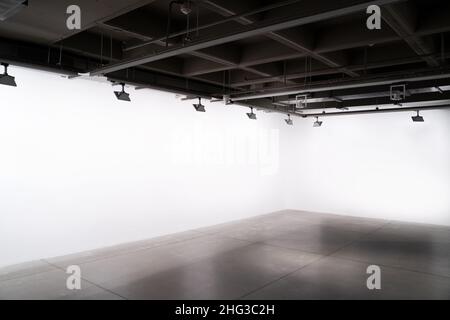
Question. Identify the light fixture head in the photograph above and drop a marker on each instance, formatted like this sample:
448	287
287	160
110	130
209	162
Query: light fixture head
6	79
198	106
289	121
251	115
122	95
417	118
317	123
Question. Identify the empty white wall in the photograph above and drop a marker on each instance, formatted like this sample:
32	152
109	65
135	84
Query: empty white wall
380	166
81	170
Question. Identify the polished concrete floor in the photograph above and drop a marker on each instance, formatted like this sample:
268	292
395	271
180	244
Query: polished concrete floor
283	255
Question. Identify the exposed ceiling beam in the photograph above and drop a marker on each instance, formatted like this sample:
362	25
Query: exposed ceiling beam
292	39
217	60
230	57
344	36
132	34
402	77
220	64
373	111
142	78
322	10
341	37
402	19
348	93
431	97
296	70
89	44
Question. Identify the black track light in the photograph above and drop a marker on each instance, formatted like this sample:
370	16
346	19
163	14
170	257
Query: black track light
198	106
251	115
5	78
289	121
317	123
417	118
122	95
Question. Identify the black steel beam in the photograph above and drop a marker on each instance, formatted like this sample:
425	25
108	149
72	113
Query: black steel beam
401	18
340	84
373	111
309	15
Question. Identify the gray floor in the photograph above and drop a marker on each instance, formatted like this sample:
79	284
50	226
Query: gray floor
284	255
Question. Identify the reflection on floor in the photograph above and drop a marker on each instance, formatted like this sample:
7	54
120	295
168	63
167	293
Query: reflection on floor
283	255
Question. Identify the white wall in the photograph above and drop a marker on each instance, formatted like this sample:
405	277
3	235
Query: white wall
81	170
380	166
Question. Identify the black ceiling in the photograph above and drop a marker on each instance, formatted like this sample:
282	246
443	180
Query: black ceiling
259	52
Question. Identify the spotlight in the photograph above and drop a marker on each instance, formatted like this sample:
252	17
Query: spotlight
251	115
289	121
417	118
317	123
122	95
198	106
6	79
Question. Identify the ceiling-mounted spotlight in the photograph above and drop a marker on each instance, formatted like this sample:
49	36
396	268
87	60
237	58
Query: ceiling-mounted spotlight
122	95
317	123
198	106
6	79
417	118
251	115
289	121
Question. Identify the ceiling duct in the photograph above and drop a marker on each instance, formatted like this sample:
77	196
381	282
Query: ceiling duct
8	8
